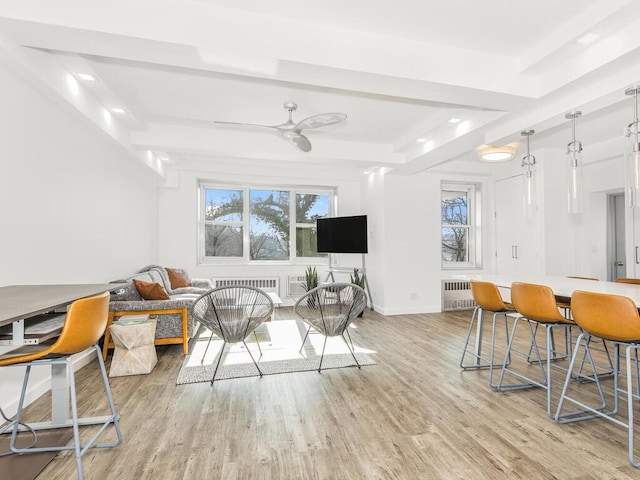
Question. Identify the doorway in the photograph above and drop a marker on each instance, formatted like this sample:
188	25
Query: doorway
616	256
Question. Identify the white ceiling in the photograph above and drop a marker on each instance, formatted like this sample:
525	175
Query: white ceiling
400	71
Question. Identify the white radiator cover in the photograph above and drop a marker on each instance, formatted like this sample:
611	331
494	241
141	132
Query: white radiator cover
268	284
456	295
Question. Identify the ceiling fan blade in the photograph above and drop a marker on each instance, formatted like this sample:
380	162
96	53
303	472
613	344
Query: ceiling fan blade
237	124
301	142
321	120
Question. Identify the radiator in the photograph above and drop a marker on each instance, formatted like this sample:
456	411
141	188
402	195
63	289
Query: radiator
456	295
268	284
294	285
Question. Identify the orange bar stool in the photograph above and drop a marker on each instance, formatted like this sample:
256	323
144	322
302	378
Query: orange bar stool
614	318
83	326
565	304
487	298
536	305
632	281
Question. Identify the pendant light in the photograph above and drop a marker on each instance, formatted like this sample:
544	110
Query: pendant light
574	168
632	153
529	178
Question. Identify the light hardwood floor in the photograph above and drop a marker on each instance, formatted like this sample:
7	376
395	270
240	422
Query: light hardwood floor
414	415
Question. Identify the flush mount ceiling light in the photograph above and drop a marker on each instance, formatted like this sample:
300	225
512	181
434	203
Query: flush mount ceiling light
455	120
496	153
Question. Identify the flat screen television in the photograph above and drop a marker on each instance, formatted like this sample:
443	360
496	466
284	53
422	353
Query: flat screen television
342	234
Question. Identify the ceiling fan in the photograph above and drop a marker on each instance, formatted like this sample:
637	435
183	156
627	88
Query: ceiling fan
292	131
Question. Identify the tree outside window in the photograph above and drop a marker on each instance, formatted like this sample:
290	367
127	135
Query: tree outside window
260	219
459	216
309	207
223	223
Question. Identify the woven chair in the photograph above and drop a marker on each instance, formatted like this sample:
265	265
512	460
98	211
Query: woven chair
232	313
329	309
83	326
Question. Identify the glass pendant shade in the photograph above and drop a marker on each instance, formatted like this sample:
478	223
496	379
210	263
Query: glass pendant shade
529	200
574	169
529	188
632	154
574	183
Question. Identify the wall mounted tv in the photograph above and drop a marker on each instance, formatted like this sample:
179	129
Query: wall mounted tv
342	234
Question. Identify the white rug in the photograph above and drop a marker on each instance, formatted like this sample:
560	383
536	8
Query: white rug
280	341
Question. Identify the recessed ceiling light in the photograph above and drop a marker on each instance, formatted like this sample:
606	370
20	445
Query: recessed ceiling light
455	120
588	38
421	140
87	77
117	110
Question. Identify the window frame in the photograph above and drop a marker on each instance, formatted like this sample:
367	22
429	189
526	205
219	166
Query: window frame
473	225
246	222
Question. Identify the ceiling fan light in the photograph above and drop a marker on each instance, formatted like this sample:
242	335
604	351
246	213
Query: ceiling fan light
495	154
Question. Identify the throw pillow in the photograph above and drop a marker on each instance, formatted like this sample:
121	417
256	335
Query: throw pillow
151	291
177	278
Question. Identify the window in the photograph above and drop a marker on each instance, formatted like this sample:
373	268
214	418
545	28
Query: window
309	207
257	224
460	219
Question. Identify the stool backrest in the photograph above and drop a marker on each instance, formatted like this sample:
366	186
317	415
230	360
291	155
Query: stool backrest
536	302
84	324
612	317
487	296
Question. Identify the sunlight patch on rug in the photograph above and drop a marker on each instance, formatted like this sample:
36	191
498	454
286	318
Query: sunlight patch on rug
280	342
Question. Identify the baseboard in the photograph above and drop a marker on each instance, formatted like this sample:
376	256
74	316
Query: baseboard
407	311
39	385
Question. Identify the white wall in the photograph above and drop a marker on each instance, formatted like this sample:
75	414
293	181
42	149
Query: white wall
178	221
577	244
411	256
74	208
373	200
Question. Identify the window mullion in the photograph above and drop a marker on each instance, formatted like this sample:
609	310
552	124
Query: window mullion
246	213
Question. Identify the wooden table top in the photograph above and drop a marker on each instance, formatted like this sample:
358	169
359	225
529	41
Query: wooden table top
24	301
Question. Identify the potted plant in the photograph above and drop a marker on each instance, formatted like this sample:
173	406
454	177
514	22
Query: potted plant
310	282
360	281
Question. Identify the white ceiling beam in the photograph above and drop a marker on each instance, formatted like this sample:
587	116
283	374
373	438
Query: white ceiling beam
223	33
229	142
614	48
441	154
43	73
576	26
549	112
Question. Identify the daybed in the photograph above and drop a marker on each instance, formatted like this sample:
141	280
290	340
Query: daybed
163	293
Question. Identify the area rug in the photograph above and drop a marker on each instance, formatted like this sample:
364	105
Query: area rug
29	465
280	342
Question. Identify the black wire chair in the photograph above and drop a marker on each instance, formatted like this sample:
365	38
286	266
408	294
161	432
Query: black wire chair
330	309
232	313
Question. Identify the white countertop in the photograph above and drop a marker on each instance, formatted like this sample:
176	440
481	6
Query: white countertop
563	286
